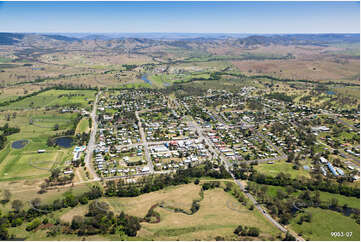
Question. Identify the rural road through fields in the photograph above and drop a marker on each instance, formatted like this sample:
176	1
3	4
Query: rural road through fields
251	198
264	212
92	140
274	222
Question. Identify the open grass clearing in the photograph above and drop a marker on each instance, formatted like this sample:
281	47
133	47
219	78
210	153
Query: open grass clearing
323	223
83	126
282	166
214	218
51	98
176	196
28	190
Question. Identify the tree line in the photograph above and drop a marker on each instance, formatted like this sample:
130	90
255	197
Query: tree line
98	220
155	183
305	184
6	131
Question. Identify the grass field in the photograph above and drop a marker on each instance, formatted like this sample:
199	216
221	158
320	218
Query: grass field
163	80
4	60
348	91
352	202
83	126
323	223
179	196
20	164
277	167
28	190
219	215
26	162
51	98
13	92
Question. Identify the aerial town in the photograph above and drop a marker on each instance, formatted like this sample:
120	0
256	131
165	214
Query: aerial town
144	132
116	128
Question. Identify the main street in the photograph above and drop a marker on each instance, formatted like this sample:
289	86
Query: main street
92	140
145	144
160	142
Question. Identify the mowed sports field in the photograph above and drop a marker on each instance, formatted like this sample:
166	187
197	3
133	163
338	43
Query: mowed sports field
36	126
26	162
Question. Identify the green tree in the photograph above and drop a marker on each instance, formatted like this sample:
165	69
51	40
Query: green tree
17	205
76	222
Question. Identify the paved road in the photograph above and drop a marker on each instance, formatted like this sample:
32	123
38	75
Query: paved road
92	140
259	161
160	142
145	144
274	222
271	144
334	116
251	198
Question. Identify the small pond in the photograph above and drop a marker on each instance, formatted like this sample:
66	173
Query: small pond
146	80
65	142
19	144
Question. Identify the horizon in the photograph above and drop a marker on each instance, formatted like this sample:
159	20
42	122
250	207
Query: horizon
199	33
181	17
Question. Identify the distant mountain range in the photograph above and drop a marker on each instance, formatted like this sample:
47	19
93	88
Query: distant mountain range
243	39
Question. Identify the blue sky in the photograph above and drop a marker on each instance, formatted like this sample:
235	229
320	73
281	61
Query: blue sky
181	17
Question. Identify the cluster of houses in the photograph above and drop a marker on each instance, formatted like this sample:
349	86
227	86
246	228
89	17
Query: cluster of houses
165	126
293	128
121	161
119	149
228	119
233	144
336	171
288	138
178	154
